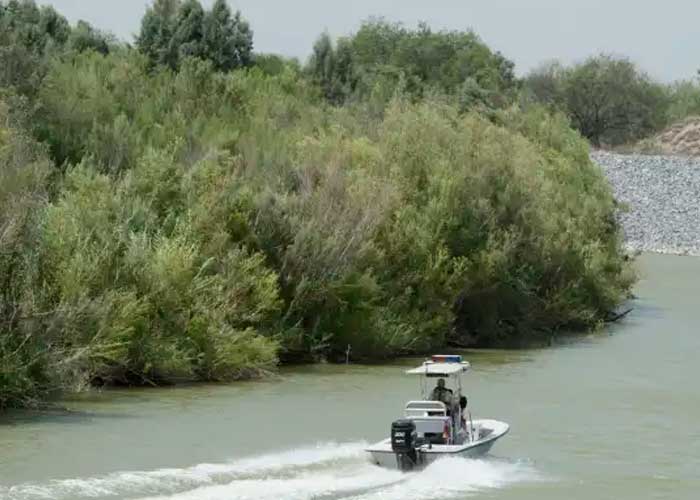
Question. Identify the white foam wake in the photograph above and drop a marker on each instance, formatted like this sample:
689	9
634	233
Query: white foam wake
171	481
326	472
446	479
456	478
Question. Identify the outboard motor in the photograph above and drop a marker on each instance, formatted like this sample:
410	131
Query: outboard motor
403	443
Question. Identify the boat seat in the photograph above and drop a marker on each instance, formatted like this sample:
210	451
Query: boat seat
425	409
426	426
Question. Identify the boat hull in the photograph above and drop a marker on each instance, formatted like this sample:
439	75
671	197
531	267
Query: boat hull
382	455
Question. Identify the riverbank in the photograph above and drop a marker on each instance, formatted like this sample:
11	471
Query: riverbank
660	199
234	441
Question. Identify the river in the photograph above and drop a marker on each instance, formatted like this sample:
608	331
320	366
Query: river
612	415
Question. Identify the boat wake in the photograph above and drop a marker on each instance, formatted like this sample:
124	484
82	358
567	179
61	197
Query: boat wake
329	471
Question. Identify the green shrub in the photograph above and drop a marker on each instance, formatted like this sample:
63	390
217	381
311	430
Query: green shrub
145	290
205	225
684	97
24	175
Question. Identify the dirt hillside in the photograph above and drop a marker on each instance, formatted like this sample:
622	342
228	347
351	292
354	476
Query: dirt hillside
682	138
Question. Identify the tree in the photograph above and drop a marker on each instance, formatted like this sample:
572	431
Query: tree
157	28
385	54
173	30
31	35
322	69
611	101
228	39
608	99
188	38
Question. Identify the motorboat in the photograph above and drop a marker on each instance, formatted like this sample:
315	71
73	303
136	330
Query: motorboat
440	424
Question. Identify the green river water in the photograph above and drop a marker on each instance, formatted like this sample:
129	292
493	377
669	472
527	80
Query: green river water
607	416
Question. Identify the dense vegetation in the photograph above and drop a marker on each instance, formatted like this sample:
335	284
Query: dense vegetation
610	100
168	219
31	36
381	57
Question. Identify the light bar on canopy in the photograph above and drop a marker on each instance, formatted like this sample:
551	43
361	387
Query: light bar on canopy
447	358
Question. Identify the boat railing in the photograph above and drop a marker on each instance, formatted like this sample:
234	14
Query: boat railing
425	409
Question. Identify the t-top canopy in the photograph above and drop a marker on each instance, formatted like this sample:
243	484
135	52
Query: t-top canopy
432	369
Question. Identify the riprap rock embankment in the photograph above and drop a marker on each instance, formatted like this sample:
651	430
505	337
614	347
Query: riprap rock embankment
662	196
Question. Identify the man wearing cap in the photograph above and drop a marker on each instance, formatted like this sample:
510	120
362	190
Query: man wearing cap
442	393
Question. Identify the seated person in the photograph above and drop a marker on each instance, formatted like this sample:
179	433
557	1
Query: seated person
442	393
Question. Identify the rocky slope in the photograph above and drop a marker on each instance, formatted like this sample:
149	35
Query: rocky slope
662	197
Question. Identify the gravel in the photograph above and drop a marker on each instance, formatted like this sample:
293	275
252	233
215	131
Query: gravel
662	194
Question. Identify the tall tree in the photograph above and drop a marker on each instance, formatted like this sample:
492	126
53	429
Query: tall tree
228	39
188	38
157	28
322	67
172	30
242	39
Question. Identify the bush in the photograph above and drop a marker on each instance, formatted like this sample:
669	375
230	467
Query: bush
373	225
441	220
203	225
506	209
684	97
24	174
125	266
275	65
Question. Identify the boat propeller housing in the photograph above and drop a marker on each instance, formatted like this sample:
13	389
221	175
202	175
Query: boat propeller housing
403	443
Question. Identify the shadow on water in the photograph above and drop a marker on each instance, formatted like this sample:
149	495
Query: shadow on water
57	415
86	406
68	410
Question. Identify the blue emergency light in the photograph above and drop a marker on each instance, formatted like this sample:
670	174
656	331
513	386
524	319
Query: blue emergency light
447	358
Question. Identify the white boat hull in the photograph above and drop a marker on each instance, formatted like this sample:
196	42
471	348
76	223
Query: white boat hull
382	454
